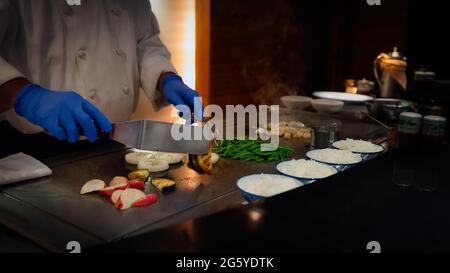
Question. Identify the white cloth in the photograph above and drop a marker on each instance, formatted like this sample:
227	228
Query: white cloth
104	50
21	167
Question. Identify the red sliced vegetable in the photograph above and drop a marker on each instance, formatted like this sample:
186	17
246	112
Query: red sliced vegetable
129	197
110	190
119	204
116	196
118	181
136	185
146	201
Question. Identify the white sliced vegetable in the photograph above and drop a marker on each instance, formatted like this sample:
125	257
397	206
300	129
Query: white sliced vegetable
116	195
108	191
171	158
118	181
214	158
93	186
129	196
135	158
153	165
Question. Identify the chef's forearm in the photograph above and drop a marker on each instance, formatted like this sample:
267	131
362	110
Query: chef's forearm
9	91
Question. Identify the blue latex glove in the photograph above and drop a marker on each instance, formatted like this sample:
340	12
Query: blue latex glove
179	94
60	113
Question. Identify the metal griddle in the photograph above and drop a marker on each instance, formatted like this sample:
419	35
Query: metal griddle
51	212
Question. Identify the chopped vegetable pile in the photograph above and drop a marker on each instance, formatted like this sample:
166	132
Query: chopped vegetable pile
122	192
250	150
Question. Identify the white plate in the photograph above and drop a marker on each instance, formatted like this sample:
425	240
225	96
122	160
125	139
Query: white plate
345	97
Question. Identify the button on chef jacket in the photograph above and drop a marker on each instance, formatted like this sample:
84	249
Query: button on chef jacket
104	50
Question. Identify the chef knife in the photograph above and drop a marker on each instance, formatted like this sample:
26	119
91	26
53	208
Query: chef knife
159	136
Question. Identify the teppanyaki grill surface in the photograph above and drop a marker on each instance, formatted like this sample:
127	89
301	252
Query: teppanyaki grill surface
52	210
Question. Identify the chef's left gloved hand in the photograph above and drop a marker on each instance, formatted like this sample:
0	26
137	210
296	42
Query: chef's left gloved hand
179	94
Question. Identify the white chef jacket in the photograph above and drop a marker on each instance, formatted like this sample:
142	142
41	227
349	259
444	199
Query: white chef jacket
103	49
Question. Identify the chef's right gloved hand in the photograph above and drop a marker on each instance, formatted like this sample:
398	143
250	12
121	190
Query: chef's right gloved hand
60	113
179	94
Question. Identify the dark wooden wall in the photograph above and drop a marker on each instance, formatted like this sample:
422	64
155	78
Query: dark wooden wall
254	44
428	36
261	49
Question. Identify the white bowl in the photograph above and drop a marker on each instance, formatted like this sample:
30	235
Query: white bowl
365	155
250	196
296	102
327	106
341	144
305	180
315	155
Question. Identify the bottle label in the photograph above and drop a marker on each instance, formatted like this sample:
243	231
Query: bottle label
434	128
409	125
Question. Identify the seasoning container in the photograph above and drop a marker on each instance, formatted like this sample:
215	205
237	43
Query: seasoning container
407	148
324	136
432	152
365	86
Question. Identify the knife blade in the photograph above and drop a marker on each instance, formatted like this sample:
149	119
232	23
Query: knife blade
158	136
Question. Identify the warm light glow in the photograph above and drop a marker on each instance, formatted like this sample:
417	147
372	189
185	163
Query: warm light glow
255	216
351	89
177	23
176	20
350	86
189	227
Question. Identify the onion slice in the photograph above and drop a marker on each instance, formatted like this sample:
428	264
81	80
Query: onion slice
136	157
171	158
153	165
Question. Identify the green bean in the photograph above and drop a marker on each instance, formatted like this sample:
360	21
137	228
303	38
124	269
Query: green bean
250	150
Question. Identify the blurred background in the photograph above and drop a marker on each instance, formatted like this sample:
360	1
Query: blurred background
254	51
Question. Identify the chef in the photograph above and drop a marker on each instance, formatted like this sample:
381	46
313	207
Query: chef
66	68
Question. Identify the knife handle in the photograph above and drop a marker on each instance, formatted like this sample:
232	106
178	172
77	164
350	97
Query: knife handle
100	133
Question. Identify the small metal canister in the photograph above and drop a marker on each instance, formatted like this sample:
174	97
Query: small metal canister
410	123
434	126
324	136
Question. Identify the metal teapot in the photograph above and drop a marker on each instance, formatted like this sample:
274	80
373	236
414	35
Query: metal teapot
393	82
